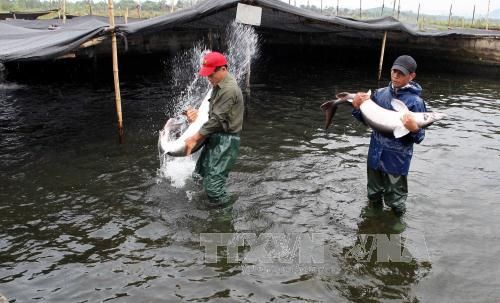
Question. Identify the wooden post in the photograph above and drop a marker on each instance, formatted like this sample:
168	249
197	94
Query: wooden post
488	15
321	6
473	13
418	12
337	8
359	9
64	10
118	101
247	89
210	44
449	16
382	56
399	7
382	13
394	8
125	17
90	7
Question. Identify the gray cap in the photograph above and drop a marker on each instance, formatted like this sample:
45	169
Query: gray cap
406	64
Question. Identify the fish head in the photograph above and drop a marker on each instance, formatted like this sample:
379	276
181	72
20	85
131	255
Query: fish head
428	118
174	128
350	96
434	116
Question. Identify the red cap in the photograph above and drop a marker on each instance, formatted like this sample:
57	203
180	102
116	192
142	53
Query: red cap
210	62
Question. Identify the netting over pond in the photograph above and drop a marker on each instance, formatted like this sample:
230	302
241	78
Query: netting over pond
23	40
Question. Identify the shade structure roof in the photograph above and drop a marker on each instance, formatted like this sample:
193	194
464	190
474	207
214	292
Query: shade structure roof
38	40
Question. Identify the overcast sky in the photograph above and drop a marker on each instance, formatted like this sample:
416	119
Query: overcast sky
434	7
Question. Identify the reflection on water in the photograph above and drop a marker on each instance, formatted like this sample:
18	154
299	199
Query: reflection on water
89	220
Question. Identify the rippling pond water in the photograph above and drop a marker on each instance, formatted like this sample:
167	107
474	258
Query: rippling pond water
87	220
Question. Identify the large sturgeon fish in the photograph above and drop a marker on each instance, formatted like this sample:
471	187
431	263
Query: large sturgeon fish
178	129
379	118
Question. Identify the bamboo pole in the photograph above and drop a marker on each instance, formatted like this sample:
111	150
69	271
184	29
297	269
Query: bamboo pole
125	17
64	11
118	101
488	15
418	12
394	8
210	38
337	8
382	51
399	7
359	9
247	88
449	16
382	13
90	7
473	14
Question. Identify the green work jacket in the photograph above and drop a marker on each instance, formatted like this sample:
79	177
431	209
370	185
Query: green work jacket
225	114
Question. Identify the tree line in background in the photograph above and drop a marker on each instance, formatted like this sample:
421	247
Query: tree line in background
84	5
149	9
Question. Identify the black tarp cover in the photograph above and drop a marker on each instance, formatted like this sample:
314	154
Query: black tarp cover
46	39
25	15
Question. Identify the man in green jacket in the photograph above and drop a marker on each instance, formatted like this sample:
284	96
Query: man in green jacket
221	131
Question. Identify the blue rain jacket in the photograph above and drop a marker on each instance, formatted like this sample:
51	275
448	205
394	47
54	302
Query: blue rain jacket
387	153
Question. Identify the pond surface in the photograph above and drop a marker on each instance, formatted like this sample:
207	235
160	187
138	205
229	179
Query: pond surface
87	220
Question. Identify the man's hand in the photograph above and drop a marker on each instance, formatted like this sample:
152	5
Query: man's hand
359	99
191	114
410	123
192	141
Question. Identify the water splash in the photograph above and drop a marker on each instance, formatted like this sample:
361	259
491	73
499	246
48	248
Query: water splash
242	48
185	80
178	170
6	85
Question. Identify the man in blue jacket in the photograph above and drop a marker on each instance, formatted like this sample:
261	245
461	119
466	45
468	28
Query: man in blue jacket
389	158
